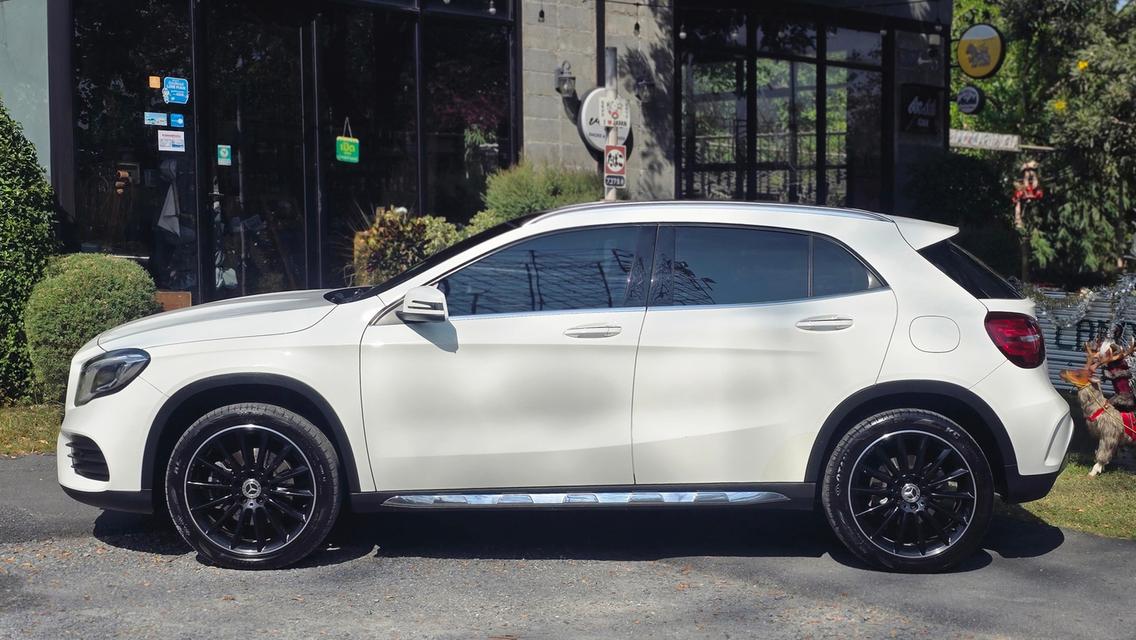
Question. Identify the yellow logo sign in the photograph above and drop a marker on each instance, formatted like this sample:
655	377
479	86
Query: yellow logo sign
981	50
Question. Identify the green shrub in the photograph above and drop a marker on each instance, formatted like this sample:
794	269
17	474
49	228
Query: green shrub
73	305
526	188
396	241
27	238
72	262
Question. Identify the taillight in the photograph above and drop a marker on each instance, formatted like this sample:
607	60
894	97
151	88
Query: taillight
1018	337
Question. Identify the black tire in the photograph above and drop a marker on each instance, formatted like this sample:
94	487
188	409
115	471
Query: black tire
253	486
913	516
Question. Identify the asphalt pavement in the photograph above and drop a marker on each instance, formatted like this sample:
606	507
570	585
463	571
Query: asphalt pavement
67	570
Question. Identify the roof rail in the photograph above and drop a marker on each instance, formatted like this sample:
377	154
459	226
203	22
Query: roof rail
767	206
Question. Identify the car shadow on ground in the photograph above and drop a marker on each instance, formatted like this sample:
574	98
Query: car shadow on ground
638	534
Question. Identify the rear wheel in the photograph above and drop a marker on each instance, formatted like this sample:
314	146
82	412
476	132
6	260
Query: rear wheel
908	490
253	486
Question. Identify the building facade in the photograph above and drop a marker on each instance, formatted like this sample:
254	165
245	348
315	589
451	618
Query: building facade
234	147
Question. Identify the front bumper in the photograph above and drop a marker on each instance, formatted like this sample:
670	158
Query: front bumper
112	429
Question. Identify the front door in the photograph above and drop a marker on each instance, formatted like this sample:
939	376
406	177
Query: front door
529	382
254	147
760	335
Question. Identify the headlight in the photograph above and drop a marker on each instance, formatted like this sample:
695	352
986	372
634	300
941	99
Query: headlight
106	374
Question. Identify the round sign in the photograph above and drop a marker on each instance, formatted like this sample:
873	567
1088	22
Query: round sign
981	50
590	122
970	100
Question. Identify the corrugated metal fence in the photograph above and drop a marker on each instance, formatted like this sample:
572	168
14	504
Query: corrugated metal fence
1064	348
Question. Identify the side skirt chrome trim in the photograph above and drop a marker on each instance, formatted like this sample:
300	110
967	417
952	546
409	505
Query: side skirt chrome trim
584	499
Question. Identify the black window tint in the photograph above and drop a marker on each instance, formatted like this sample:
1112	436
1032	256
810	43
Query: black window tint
835	271
586	269
968	272
731	266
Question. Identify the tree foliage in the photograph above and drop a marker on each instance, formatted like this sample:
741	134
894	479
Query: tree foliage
1068	82
26	240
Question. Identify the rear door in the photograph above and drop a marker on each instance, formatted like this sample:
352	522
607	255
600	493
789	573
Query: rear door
752	336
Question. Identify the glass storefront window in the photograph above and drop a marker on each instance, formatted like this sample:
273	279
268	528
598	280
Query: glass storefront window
853	159
466	114
23	70
134	195
851	45
716	29
776	35
367	65
714	117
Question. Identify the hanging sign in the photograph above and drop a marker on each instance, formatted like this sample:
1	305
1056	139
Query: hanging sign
981	50
919	108
985	140
153	119
175	90
224	155
171	140
970	100
591	123
347	146
615	166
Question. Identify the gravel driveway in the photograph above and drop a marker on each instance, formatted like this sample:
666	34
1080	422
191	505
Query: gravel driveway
71	571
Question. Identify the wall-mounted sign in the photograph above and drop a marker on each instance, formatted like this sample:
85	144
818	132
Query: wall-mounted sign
175	90
154	82
981	50
615	166
177	120
224	155
347	149
985	140
171	140
591	123
154	119
919	108
970	100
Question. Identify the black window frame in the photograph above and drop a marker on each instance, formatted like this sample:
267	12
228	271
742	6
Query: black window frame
645	245
662	280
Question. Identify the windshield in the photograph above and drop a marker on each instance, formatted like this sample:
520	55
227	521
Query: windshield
359	293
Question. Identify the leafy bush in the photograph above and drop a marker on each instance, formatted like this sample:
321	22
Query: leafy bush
526	188
26	240
396	241
74	304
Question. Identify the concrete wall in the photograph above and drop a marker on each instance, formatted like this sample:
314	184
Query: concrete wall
568	33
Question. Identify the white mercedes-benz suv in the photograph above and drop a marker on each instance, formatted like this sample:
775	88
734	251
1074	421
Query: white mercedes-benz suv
685	354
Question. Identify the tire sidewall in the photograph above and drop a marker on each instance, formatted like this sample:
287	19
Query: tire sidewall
837	483
305	436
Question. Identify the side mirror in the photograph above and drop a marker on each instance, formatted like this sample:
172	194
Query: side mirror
424	304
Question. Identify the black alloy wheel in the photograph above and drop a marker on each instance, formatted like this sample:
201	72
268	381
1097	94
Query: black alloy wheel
908	490
253	485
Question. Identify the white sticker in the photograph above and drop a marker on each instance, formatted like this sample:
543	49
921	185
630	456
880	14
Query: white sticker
171	140
154	119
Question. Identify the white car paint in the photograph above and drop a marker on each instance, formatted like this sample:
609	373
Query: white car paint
677	396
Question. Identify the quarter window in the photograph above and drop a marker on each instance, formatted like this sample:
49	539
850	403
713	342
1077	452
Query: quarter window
836	272
585	269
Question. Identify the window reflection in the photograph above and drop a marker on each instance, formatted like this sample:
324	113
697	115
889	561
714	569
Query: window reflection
835	271
587	269
853	151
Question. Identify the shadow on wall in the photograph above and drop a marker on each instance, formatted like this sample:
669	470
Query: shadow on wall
653	63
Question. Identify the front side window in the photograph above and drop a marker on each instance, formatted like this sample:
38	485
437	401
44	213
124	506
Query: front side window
596	268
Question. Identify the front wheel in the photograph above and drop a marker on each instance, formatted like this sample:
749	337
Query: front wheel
253	486
908	490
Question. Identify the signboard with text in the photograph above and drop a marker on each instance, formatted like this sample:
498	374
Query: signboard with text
920	107
615	166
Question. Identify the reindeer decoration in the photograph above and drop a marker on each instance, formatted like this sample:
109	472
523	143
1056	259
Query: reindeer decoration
1106	423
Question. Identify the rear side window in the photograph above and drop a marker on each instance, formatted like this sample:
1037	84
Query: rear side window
719	265
968	272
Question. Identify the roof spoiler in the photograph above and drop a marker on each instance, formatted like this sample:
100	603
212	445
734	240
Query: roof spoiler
921	233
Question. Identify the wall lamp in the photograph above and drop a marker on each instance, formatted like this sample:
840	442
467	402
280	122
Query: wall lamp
566	87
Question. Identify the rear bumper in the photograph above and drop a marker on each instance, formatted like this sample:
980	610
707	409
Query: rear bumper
130	501
1021	488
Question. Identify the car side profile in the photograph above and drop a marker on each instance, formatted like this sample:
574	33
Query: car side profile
663	354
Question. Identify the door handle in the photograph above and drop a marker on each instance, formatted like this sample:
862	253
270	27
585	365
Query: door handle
825	323
594	331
